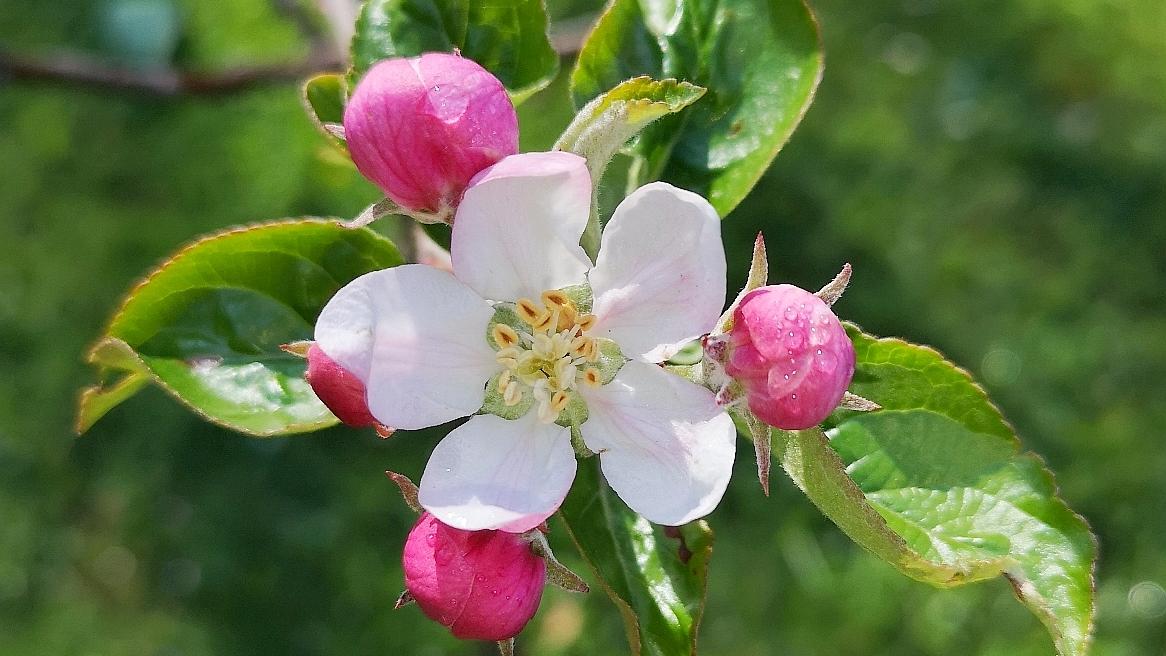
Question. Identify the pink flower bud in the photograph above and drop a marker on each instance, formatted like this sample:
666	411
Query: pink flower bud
483	585
420	128
791	355
339	389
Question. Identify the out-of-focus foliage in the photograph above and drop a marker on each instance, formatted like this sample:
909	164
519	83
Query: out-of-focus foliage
995	171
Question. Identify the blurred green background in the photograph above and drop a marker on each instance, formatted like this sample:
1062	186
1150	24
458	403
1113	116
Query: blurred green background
994	169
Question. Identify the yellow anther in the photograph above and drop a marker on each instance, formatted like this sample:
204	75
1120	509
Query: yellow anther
559	402
528	310
592	353
508	357
585	322
566	318
586	348
503	381
504	336
512	395
591	377
544	321
555	298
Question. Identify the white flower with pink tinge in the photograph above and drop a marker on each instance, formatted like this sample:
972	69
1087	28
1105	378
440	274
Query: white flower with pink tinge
508	324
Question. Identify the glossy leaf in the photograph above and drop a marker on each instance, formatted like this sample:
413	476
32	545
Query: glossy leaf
760	60
324	97
657	582
936	484
507	37
206	326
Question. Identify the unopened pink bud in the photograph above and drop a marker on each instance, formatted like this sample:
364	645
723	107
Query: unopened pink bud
791	355
483	585
421	127
338	388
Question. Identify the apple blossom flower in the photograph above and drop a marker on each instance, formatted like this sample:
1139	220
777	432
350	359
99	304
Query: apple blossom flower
790	354
531	339
421	127
482	585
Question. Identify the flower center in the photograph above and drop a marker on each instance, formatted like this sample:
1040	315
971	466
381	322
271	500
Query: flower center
550	355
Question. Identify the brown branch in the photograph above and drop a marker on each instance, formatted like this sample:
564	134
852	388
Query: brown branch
79	70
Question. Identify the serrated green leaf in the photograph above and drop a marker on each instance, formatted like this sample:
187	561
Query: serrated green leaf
760	60
206	326
507	37
606	123
936	485
324	97
657	582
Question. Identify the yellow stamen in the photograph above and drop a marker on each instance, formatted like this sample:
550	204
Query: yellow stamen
579	346
503	381
508	357
512	395
592	351
591	377
559	402
555	298
504	336
544	321
585	322
528	310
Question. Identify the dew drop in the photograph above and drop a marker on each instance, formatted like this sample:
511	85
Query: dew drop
826	362
794	396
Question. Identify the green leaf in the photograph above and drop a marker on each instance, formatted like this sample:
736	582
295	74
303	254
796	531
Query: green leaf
609	121
206	326
507	37
936	485
603	126
324	98
659	593
760	60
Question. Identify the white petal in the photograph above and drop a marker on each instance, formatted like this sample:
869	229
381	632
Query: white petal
660	277
665	446
516	232
416	337
494	473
